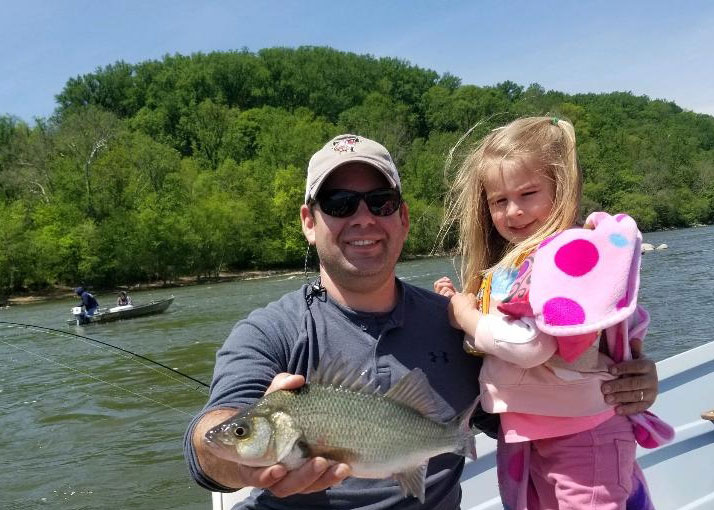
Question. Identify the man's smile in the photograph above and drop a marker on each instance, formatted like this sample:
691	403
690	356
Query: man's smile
362	242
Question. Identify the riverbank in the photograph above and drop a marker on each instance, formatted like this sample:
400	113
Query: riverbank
63	292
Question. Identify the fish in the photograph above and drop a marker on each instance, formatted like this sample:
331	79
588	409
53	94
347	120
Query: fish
341	417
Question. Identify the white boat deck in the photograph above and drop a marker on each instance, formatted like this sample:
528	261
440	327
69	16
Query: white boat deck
680	475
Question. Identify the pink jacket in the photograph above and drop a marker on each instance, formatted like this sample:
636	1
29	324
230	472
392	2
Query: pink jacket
528	376
545	357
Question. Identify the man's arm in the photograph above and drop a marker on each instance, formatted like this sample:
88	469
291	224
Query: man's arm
249	364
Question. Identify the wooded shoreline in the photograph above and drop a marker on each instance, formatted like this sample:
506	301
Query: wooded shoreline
193	165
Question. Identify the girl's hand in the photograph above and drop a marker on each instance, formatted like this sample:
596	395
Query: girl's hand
444	286
636	388
463	312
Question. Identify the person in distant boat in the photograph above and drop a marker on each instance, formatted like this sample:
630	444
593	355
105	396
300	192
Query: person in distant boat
124	299
89	302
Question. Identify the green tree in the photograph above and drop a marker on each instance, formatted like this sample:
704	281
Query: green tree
83	135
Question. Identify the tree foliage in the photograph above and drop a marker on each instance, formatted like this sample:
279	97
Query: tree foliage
193	165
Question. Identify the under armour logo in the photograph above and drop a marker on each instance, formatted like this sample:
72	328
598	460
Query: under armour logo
436	356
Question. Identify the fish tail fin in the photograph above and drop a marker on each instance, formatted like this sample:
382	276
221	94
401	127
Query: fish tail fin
467	444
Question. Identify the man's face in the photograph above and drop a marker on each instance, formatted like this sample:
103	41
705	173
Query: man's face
360	251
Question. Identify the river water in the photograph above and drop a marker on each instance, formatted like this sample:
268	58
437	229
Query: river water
86	427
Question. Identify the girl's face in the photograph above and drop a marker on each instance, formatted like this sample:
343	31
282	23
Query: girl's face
520	197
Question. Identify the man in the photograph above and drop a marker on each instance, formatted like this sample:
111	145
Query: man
89	302
355	217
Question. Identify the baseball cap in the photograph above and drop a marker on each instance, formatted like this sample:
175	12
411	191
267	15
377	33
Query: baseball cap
345	149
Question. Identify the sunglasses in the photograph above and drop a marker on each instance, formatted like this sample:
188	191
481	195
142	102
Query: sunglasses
342	203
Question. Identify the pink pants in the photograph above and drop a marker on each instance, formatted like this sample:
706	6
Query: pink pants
589	470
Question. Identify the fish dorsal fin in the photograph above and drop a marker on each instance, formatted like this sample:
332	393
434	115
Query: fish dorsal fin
336	372
412	482
413	391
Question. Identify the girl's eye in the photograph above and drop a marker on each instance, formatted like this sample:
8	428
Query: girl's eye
528	193
500	201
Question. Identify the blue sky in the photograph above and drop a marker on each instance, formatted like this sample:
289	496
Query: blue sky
658	48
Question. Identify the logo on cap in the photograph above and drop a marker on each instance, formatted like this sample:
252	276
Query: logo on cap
345	144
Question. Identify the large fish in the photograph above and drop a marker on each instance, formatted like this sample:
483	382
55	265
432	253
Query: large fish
340	417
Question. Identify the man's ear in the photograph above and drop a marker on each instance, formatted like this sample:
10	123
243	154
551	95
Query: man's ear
404	216
307	218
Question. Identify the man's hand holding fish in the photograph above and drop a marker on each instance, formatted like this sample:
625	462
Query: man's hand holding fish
315	475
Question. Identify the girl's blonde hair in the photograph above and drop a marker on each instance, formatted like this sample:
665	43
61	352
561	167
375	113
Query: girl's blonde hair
549	143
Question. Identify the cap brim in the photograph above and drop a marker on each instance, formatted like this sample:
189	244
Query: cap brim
315	189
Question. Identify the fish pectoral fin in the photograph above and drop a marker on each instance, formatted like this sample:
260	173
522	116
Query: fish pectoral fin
297	456
285	442
286	435
412	482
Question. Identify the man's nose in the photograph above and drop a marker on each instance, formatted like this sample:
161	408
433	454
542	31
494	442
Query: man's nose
362	215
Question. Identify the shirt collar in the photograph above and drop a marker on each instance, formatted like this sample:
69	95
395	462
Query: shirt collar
395	315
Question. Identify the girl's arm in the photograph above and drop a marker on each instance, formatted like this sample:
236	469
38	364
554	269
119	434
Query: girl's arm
517	341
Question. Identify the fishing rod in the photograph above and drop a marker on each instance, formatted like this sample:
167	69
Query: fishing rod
107	344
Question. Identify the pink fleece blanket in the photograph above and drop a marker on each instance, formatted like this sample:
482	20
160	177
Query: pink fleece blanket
578	282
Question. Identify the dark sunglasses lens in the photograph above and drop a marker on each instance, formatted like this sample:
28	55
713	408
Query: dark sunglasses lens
344	203
339	204
382	202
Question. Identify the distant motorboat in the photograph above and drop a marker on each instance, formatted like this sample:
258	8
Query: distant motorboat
119	312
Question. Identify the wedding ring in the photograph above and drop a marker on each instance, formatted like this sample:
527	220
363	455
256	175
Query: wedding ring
642	395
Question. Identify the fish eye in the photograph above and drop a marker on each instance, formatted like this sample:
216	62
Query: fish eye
241	430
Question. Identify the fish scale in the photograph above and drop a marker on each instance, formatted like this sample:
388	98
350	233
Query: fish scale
351	421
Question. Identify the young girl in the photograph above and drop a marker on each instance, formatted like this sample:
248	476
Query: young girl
551	308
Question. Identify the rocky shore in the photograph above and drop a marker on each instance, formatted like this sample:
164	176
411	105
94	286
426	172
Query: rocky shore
63	292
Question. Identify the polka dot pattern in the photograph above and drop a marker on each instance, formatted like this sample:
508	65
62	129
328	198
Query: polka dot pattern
583	280
577	258
618	240
562	311
624	302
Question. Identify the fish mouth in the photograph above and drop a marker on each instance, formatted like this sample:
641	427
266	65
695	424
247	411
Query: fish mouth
210	437
212	434
215	437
